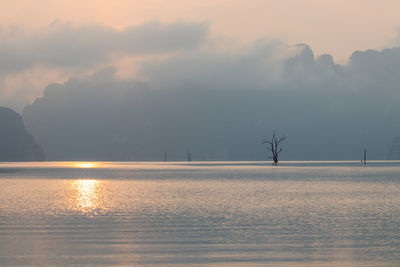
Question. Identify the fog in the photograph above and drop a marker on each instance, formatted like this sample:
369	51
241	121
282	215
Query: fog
219	105
68	45
31	59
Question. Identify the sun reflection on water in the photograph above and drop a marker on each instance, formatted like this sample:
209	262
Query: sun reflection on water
88	195
85	164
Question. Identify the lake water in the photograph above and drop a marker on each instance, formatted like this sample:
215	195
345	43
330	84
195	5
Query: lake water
202	214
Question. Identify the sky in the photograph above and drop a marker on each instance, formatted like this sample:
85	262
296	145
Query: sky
335	27
211	75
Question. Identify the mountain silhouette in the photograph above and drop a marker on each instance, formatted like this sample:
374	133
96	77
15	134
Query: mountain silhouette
15	143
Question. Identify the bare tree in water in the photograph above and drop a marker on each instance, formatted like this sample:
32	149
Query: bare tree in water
273	145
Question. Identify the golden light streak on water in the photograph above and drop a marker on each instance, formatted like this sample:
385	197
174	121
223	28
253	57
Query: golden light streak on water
86	164
88	194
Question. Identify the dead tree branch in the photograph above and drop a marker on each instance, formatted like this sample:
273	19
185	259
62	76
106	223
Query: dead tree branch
273	145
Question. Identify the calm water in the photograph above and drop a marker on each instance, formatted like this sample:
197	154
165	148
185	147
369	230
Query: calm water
203	214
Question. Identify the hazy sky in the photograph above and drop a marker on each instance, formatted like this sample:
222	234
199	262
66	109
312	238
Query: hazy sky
45	41
337	27
234	66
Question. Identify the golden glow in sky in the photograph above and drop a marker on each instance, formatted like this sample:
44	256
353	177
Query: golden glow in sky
337	27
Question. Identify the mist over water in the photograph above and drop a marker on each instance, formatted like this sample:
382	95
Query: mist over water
205	213
108	89
220	106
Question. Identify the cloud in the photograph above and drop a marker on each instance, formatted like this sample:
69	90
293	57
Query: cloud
220	105
69	50
376	70
65	45
268	65
253	67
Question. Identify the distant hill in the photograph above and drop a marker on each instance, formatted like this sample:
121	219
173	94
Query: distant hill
221	108
15	143
88	119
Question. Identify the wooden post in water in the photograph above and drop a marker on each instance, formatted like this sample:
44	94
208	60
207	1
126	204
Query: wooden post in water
165	156
365	156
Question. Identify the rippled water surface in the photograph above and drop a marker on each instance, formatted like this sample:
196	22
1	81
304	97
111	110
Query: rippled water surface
204	214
